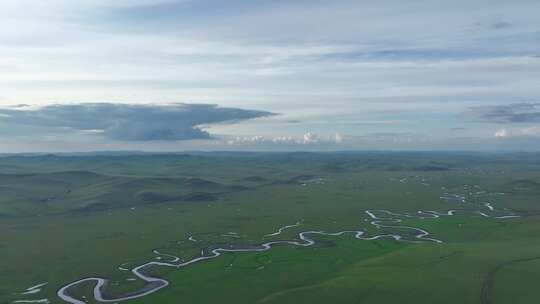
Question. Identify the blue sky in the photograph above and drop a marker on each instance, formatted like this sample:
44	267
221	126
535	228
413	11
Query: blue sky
269	75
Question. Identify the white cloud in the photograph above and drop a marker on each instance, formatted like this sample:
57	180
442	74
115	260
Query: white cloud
308	138
338	138
527	132
502	133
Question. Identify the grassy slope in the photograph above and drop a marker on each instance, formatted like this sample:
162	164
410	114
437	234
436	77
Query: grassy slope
517	283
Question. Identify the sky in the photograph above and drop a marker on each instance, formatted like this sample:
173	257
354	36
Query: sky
175	75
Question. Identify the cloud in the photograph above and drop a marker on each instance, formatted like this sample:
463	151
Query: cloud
532	132
377	122
329	66
129	122
308	138
512	113
501	25
338	138
502	133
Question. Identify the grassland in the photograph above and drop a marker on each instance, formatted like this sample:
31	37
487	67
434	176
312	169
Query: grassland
63	218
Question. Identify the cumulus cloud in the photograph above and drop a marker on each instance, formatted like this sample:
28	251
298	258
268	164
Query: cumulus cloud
308	138
512	113
338	138
502	133
528	132
129	122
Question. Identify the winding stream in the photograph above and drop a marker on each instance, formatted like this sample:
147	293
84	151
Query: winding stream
378	218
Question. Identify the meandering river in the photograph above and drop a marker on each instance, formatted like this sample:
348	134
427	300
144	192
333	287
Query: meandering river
385	219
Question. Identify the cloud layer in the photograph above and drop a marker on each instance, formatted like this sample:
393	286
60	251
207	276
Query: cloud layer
130	122
512	113
308	138
357	68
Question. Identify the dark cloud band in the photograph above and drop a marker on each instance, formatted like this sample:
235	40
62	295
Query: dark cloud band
131	122
512	113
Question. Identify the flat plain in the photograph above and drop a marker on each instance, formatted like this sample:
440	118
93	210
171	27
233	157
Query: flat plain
363	227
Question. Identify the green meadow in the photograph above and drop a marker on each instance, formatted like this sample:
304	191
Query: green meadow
68	217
